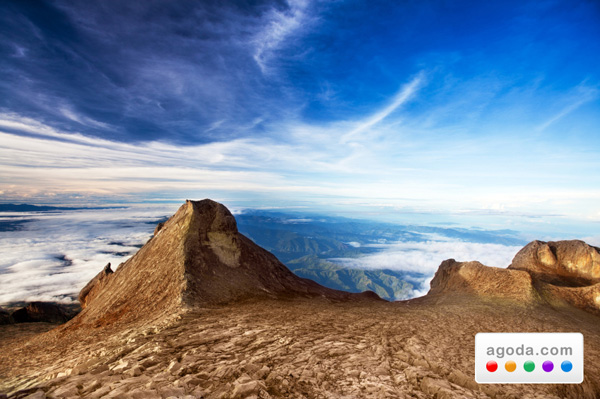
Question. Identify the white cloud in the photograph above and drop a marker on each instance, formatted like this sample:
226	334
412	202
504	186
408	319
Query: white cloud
580	95
365	161
280	26
401	97
69	113
56	254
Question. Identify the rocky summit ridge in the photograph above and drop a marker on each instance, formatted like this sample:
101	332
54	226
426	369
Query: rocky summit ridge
200	311
199	258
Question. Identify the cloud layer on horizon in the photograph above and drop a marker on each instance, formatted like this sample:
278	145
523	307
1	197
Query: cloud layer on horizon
55	254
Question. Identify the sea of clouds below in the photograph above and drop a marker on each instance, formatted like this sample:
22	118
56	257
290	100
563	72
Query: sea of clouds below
55	254
420	260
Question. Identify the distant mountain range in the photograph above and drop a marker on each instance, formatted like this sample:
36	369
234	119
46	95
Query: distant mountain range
43	208
309	244
388	284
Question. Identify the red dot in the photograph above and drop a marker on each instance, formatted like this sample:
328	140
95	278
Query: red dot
491	366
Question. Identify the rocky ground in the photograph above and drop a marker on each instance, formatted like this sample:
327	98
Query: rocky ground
311	348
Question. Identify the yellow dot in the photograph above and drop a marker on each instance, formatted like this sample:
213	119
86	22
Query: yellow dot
510	366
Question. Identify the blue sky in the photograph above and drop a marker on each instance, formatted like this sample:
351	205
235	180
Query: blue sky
412	107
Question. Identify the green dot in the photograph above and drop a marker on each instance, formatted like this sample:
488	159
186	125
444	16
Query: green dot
529	366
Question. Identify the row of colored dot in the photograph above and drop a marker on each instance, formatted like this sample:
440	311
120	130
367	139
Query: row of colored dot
529	366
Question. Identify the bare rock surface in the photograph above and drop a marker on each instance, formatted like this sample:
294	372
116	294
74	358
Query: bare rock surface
572	262
474	278
197	257
560	274
302	348
202	312
95	285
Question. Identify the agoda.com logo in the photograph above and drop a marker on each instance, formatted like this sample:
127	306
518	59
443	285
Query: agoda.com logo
550	358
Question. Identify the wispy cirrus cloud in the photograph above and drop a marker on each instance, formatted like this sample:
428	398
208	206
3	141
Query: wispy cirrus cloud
403	95
41	162
300	99
172	79
82	119
280	25
579	96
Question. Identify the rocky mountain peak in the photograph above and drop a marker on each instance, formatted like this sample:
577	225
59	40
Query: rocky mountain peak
196	258
311	346
211	217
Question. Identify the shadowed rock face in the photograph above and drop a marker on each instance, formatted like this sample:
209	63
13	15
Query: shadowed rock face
197	257
5	317
94	286
223	265
42	311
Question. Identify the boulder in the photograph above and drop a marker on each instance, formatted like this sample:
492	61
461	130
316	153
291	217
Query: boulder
42	312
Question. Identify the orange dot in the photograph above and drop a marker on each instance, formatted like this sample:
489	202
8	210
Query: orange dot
510	366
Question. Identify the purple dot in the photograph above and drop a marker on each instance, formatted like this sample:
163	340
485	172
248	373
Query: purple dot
548	366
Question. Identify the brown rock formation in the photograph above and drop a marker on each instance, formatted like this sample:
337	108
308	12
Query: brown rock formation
158	228
562	273
473	278
197	257
294	339
572	263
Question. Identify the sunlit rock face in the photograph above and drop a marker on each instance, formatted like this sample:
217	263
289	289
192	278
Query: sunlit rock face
197	257
95	286
561	273
456	278
573	261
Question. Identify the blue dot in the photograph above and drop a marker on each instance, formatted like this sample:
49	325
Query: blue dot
566	366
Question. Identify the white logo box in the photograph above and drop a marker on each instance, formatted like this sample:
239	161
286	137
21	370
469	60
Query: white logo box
521	347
